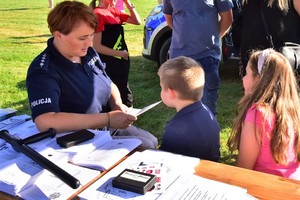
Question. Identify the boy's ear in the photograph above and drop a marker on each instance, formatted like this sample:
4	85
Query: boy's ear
172	93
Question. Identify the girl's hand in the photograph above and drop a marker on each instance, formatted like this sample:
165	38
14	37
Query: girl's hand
124	54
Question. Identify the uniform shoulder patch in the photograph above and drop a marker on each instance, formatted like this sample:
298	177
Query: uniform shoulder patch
43	60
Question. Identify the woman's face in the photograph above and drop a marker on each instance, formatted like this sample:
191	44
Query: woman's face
77	42
249	80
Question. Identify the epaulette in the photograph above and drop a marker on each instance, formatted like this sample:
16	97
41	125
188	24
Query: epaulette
43	60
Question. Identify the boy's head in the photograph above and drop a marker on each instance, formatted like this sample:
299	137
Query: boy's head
183	75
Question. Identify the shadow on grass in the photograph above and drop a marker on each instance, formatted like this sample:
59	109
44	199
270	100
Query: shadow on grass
33	36
20	9
22	85
22	106
34	39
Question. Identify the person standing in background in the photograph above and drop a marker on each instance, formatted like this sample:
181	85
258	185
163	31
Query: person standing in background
197	29
109	42
282	18
50	3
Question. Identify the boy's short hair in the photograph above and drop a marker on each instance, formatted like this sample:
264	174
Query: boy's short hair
184	75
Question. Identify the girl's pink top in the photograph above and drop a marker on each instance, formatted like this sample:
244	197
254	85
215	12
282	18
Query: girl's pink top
265	162
120	5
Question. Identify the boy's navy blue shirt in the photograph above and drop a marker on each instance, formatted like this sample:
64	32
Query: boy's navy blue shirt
56	84
193	131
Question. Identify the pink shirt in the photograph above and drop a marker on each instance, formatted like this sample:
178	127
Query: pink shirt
265	162
120	5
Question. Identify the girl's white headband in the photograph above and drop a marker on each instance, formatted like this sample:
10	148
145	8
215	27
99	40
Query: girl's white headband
263	56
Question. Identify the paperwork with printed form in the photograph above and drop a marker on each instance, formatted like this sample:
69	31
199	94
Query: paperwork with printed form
175	180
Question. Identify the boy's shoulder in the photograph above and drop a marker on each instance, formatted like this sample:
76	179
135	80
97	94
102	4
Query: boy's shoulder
196	106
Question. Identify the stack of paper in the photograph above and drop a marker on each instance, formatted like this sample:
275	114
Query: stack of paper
108	154
17	172
6	113
13	121
101	152
47	186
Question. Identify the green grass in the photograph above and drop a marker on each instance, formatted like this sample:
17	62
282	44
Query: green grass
23	35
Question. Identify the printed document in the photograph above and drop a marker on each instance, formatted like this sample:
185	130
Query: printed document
137	111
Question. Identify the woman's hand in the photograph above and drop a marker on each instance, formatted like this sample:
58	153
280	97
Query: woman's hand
120	120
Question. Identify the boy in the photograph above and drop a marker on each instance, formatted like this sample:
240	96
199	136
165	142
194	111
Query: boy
193	131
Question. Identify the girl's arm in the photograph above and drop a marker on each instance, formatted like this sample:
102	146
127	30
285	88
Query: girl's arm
249	146
134	17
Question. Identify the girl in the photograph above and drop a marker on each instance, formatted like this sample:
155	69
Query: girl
110	43
266	129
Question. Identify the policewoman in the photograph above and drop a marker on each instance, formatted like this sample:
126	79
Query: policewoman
67	85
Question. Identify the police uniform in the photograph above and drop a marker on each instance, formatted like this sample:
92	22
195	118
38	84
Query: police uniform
59	85
56	84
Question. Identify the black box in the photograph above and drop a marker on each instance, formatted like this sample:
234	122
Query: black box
134	181
74	138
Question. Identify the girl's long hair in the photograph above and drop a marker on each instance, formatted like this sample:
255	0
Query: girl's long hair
276	90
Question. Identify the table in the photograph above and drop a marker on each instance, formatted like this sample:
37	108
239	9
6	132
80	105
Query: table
261	185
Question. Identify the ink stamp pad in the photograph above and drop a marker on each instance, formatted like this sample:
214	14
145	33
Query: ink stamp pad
134	181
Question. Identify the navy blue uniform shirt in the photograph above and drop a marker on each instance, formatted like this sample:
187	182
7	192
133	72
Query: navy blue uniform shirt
193	131
56	84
